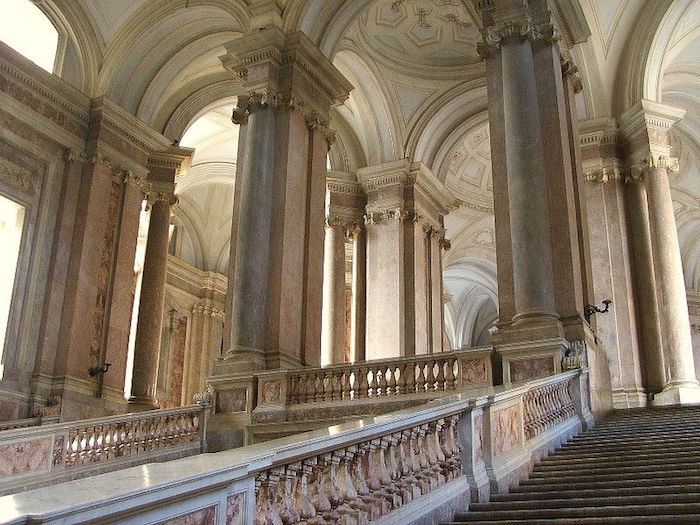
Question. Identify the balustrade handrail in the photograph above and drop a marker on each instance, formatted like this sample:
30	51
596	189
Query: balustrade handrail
54	428
393	360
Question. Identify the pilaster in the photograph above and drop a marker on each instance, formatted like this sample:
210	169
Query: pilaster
406	204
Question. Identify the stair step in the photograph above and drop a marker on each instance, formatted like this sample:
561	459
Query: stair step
653	438
602	470
647	459
666	519
566	477
535	493
581	512
690	446
603	501
549	485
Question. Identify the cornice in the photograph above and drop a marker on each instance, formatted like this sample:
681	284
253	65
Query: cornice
433	188
391	173
195	277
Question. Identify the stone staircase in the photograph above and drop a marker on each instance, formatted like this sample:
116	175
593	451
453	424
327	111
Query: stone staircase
637	466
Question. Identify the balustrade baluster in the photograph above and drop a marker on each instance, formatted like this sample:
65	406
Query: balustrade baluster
392	381
360	471
302	496
382	382
430	376
363	388
265	508
440	378
450	374
286	507
402	384
373	383
420	377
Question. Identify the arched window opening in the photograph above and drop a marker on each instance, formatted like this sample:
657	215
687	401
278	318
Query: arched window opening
11	224
25	28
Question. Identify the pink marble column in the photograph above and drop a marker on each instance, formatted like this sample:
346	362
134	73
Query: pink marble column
150	318
333	331
645	127
359	294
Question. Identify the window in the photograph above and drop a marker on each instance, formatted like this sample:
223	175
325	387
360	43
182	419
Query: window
25	28
11	223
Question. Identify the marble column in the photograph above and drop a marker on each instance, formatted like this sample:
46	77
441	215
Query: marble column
535	199
276	277
645	127
333	330
406	204
148	330
359	293
163	168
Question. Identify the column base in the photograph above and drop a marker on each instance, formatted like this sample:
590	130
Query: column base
683	394
142	404
239	360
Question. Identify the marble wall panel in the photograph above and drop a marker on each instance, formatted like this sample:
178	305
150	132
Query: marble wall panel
529	369
229	401
177	361
206	516
235	509
506	430
478	433
474	371
271	391
28	456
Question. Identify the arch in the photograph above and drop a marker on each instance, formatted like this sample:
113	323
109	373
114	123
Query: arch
642	66
125	69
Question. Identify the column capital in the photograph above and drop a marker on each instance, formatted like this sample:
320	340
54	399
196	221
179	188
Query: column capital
386	183
162	196
601	151
644	128
284	69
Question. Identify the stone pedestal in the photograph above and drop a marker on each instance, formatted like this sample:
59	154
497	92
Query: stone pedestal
406	204
275	286
645	127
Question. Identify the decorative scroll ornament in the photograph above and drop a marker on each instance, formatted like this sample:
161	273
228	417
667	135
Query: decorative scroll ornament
159	196
638	172
205	398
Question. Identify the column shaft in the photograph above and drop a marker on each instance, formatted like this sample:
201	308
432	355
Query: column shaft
646	303
333	334
527	185
148	331
673	304
359	295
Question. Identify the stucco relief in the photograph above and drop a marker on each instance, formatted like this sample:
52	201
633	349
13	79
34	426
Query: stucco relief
474	371
235	509
17	458
205	516
234	400
506	430
529	369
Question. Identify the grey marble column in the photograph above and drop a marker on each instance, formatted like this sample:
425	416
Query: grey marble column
527	185
148	331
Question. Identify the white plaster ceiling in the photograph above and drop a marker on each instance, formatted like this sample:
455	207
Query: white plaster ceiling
422	32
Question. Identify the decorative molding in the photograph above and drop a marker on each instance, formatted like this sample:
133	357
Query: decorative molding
17	176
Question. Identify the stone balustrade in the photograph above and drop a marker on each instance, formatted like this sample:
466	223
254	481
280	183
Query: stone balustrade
387	377
40	455
414	466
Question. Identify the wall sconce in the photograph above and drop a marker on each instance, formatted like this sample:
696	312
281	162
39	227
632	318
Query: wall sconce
96	370
590	309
